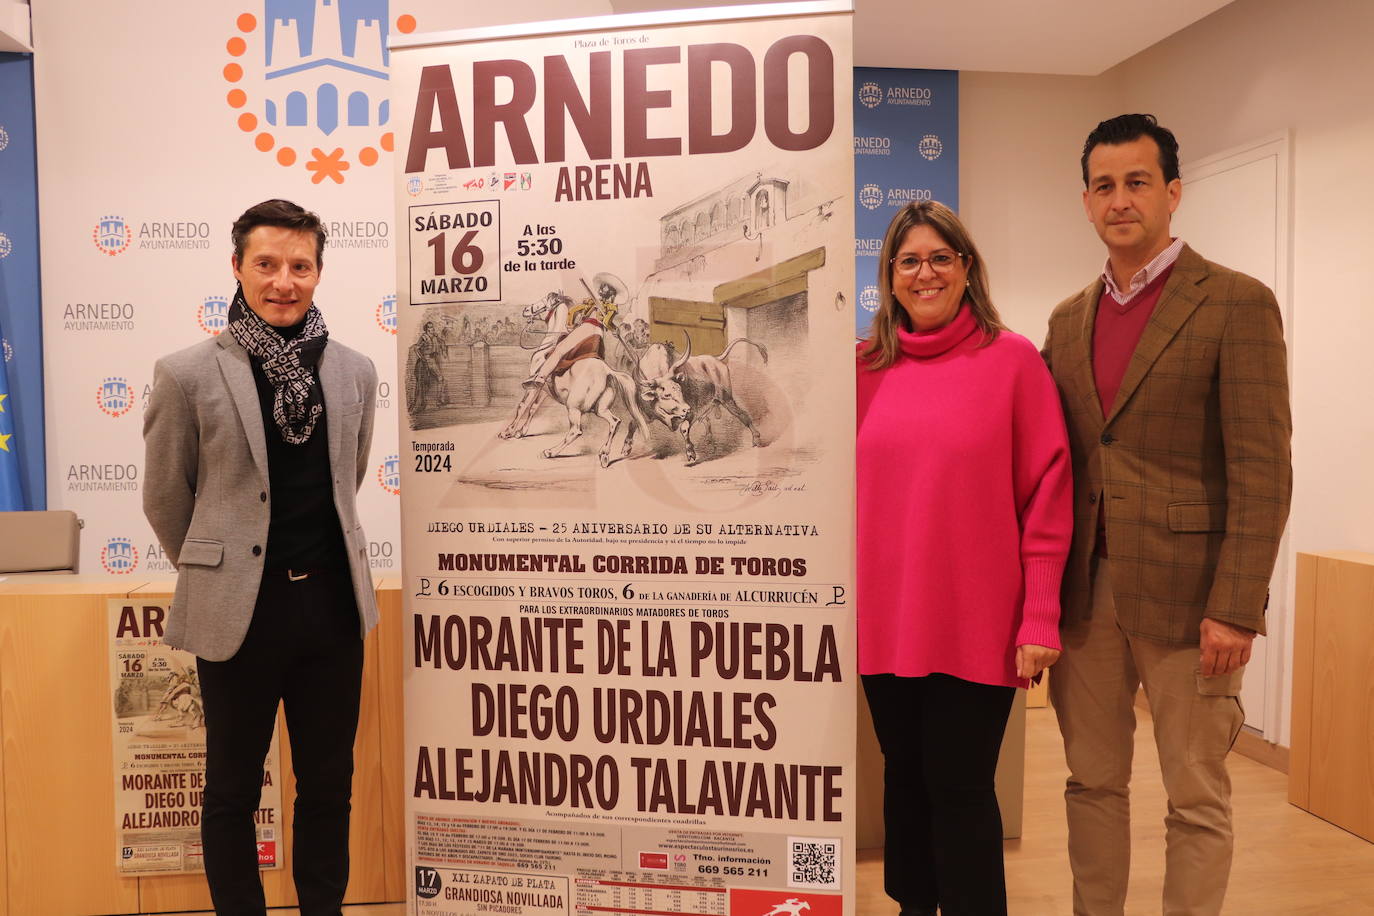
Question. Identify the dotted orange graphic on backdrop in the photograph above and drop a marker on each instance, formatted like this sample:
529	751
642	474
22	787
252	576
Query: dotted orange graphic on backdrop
317	85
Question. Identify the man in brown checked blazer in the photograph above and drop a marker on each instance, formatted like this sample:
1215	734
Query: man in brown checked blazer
1173	374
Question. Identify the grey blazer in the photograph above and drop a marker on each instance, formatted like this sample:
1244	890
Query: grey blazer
206	491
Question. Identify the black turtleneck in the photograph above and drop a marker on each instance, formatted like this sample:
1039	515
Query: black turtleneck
304	533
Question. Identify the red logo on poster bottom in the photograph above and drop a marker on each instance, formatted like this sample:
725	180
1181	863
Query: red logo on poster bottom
653	860
750	902
267	852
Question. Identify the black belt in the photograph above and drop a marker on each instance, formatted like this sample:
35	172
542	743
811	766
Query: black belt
298	574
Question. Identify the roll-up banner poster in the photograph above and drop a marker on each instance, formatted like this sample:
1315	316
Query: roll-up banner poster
624	312
159	752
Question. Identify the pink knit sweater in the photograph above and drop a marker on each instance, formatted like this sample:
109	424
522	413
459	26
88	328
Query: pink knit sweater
964	506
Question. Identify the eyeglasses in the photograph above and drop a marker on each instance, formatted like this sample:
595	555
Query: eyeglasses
941	262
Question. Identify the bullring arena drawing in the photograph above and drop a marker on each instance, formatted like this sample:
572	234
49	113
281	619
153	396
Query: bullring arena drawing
677	378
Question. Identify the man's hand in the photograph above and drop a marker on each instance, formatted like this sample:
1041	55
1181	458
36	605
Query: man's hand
1031	660
1225	647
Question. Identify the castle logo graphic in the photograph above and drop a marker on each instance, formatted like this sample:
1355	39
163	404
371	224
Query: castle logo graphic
308	80
389	474
386	314
213	314
115	396
119	556
112	235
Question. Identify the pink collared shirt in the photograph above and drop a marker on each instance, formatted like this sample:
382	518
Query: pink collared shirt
1143	277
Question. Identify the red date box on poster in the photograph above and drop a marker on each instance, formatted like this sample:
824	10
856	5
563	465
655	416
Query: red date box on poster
750	902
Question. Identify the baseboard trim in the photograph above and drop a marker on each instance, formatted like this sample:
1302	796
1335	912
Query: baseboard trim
1252	744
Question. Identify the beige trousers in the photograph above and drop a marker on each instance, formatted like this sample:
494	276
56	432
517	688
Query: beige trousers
1196	720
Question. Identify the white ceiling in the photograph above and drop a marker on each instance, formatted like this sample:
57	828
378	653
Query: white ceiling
1071	37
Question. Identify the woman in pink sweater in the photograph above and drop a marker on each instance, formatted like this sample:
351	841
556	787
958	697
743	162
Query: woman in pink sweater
964	522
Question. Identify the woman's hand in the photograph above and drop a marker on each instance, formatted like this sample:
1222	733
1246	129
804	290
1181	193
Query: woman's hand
1031	660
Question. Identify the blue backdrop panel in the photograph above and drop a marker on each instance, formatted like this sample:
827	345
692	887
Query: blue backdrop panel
906	147
20	312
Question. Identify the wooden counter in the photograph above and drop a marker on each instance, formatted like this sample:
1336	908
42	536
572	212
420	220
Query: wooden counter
57	848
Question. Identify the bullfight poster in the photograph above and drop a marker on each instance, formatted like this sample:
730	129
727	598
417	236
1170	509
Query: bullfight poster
625	341
159	751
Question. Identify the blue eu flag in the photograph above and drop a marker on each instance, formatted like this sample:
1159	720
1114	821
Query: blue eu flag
11	491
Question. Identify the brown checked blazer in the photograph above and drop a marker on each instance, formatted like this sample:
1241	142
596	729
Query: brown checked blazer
1192	465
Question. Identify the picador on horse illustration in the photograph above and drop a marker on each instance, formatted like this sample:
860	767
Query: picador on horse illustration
570	365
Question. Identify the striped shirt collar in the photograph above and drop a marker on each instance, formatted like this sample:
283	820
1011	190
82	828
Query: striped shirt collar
1143	277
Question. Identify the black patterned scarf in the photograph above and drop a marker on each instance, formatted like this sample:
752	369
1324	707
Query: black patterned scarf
289	364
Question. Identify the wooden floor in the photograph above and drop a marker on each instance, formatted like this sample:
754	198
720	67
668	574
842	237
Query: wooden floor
1287	861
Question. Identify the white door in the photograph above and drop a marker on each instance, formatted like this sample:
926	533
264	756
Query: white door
1235	211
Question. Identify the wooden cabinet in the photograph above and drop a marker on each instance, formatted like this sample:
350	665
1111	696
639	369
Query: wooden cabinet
57	836
1331	771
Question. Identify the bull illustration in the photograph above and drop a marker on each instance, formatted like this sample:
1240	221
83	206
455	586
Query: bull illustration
683	390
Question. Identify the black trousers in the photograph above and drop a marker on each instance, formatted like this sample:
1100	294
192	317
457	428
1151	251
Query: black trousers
940	738
302	649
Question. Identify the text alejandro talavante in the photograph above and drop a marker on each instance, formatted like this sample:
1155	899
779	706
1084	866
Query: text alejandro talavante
648	718
174	799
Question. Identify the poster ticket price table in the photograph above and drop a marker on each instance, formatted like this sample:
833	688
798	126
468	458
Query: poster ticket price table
632	892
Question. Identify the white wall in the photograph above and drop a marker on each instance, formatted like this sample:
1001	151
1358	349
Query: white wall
1251	69
1020	188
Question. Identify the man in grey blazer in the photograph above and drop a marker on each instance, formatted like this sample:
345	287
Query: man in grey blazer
257	442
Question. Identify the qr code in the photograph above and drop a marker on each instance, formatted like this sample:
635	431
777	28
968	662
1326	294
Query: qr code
813	862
